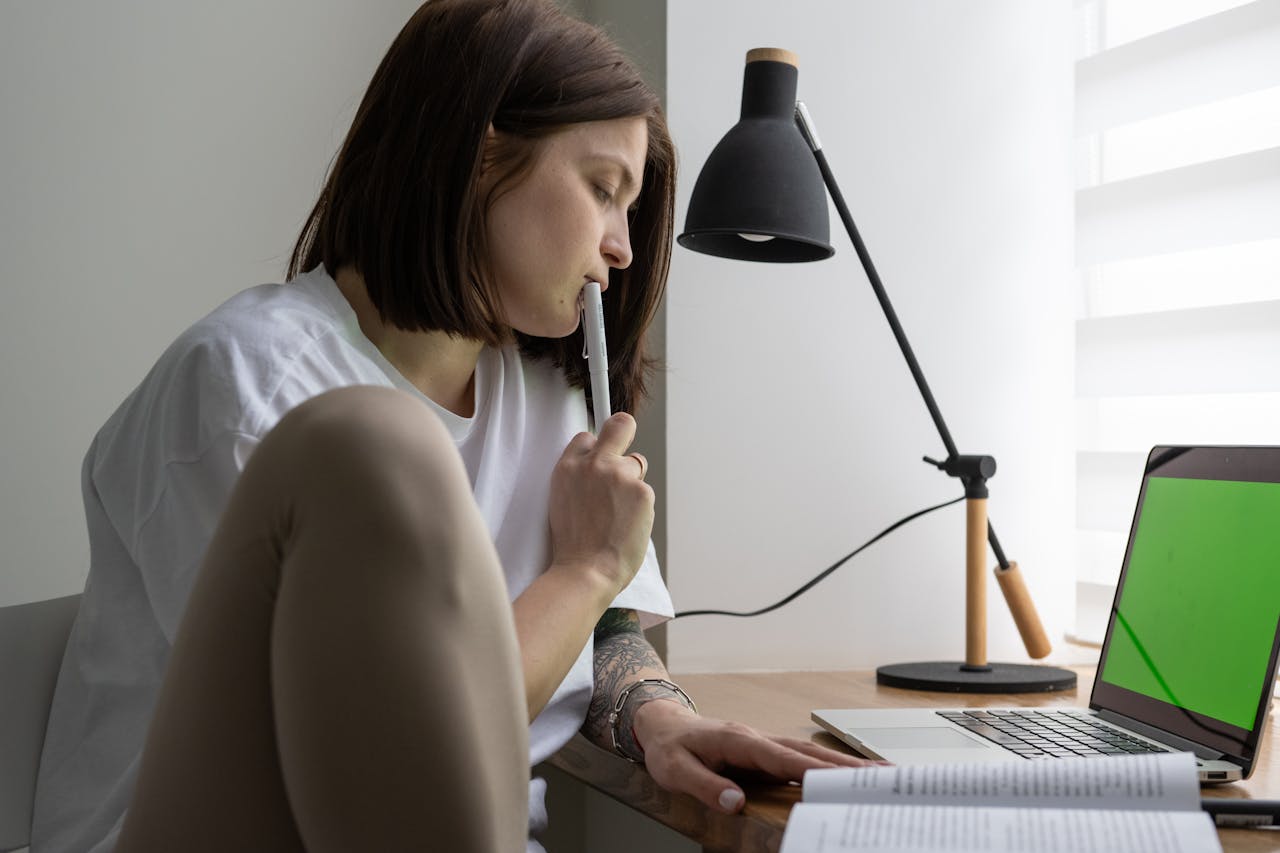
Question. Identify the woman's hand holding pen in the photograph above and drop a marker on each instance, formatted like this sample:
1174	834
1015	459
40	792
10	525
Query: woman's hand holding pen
601	507
601	514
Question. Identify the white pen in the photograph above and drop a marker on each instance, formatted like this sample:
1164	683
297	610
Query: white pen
597	355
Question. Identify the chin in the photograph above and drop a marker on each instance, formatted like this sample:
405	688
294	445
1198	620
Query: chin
549	329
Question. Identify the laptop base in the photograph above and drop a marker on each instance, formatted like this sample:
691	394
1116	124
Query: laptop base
954	677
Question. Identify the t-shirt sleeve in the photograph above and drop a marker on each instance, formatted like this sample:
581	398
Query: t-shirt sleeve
647	593
170	542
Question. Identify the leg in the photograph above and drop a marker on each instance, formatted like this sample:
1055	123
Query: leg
346	676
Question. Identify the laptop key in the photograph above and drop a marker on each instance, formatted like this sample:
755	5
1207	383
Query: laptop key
1048	734
1003	739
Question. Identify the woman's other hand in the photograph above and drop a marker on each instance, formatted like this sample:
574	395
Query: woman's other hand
687	753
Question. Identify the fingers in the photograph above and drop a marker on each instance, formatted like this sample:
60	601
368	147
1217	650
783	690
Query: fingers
617	433
689	767
601	512
743	749
699	781
773	759
580	444
614	438
831	756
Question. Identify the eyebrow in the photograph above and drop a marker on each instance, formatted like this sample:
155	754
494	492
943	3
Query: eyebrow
628	179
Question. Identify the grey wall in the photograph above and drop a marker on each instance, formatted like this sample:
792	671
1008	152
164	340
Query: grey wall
157	158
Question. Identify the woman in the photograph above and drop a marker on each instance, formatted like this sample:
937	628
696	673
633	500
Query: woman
355	562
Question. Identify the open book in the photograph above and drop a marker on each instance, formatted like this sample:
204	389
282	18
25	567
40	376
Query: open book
1134	803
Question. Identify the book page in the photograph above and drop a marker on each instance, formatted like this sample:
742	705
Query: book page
1163	781
830	828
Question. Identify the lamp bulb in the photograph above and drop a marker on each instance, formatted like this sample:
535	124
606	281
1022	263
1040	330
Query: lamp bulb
756	238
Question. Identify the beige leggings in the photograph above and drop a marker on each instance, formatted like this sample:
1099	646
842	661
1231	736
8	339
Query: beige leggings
346	675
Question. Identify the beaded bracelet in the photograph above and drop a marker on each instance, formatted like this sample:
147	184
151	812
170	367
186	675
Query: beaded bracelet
615	717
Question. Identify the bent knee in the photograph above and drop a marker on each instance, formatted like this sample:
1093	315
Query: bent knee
364	435
362	417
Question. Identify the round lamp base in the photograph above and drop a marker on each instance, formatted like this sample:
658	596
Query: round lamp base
956	677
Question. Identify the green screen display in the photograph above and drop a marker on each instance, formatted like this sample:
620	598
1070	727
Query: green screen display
1197	615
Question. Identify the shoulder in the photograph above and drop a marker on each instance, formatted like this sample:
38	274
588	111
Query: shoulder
237	357
225	372
270	322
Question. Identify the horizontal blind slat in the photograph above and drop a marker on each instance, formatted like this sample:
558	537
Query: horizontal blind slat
1223	349
1134	424
1226	54
1231	200
1199	278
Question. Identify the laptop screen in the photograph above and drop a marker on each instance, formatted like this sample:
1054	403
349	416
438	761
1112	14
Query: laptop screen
1191	643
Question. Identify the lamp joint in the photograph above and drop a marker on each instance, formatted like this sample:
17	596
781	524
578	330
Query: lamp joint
972	470
807	130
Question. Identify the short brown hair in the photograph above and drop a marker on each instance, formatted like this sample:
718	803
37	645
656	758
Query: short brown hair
402	203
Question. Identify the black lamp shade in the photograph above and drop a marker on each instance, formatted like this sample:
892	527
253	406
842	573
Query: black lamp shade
761	180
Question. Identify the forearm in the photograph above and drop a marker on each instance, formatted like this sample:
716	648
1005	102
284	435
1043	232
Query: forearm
553	618
623	656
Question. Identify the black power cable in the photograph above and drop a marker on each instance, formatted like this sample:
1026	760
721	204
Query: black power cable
837	564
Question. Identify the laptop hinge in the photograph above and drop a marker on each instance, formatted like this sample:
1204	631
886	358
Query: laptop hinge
1168	738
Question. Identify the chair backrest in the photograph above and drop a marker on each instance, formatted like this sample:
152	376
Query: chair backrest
33	638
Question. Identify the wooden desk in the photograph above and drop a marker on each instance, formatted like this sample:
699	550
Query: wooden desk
780	703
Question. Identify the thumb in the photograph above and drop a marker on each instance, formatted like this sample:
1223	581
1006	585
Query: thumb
617	433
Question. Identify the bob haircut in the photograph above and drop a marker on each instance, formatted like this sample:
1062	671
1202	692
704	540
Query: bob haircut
402	203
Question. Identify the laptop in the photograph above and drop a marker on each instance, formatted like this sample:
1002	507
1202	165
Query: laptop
1189	656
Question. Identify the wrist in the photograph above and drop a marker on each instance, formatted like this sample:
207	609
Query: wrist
653	713
590	582
642	708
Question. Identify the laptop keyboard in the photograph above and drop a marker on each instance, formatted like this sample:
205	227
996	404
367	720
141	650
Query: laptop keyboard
1049	734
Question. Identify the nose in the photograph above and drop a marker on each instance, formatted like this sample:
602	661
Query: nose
616	244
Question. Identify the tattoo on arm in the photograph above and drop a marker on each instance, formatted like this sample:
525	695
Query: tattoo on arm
622	656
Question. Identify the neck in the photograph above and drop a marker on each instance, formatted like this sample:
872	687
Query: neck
440	365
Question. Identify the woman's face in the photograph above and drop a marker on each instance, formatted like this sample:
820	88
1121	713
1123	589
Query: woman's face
566	222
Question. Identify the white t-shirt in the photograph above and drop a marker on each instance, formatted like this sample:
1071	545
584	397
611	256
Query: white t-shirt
159	473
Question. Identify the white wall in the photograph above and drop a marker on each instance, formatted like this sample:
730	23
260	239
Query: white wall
155	157
794	429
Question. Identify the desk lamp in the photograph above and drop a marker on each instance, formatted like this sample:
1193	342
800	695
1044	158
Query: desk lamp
760	197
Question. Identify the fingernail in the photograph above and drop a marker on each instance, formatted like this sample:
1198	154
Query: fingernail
730	799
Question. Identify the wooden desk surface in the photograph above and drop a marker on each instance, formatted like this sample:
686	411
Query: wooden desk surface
780	703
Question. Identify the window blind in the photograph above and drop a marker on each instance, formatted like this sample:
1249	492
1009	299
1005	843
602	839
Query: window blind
1177	251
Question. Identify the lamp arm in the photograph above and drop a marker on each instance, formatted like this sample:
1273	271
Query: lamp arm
1008	574
811	136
